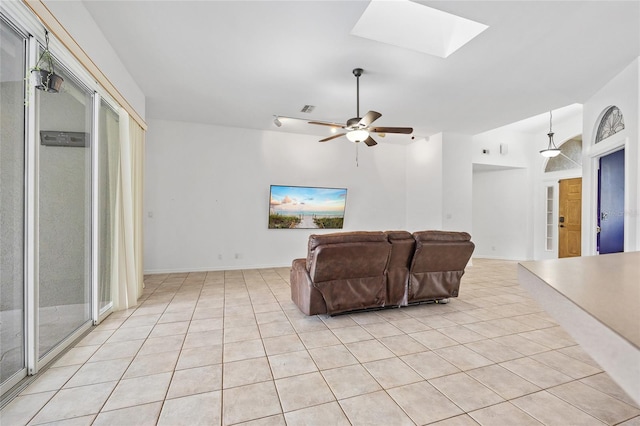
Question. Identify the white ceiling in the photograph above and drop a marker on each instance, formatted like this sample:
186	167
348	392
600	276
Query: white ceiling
238	63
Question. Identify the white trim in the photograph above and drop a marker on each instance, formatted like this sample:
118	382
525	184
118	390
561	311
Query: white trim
214	269
554	216
95	140
515	259
31	237
104	313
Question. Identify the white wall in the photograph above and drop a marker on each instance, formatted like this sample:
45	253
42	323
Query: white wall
517	148
502	214
502	194
424	184
624	92
457	182
207	189
439	179
79	23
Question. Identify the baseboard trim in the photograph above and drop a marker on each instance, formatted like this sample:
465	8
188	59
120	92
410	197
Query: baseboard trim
213	269
516	259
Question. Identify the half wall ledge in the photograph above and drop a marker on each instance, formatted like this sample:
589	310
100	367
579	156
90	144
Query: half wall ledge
596	299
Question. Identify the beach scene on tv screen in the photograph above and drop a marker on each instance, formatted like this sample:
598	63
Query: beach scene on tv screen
302	207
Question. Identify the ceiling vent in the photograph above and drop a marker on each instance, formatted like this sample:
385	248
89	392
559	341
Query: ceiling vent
307	108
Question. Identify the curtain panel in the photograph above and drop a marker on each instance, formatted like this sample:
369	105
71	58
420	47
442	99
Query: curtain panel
127	269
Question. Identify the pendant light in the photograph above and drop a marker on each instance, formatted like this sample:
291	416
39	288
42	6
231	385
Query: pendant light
552	150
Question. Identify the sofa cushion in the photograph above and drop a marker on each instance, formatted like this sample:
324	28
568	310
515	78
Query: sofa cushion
398	235
441	251
316	240
331	262
441	236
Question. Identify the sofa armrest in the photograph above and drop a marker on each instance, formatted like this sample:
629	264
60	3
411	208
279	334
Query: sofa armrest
303	293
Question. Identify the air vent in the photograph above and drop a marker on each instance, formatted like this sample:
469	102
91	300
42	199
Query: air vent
307	108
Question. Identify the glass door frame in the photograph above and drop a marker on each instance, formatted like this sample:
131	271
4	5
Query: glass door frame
27	259
34	362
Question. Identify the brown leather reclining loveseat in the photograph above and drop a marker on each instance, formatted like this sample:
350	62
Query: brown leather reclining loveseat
349	271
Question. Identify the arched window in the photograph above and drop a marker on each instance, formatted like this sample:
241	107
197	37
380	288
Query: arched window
612	122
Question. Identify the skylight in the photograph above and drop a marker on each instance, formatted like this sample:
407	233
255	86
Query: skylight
414	26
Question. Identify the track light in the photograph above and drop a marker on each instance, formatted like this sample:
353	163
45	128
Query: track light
552	150
277	121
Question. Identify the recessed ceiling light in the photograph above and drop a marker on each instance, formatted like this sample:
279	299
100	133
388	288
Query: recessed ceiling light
414	26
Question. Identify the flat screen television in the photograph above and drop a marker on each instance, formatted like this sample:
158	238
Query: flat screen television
303	207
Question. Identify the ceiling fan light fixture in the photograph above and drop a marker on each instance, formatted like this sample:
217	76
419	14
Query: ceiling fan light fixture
359	129
359	135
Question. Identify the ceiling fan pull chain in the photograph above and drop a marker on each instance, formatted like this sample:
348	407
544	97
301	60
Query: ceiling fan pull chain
357	165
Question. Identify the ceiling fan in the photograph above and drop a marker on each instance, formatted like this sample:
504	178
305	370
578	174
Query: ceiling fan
359	129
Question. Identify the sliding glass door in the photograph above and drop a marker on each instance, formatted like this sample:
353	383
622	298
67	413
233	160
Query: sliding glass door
12	201
64	211
59	168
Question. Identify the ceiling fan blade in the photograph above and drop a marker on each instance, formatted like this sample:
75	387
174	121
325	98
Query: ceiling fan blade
369	118
403	130
323	123
370	142
332	137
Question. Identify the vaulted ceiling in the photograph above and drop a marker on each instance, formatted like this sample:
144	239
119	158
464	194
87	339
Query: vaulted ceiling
239	63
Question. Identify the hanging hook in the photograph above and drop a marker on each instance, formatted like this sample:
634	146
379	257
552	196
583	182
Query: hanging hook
46	54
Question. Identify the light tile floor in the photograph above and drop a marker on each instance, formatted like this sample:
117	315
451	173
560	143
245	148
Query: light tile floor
230	347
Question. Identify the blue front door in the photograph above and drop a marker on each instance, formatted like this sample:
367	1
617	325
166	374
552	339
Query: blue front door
611	203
